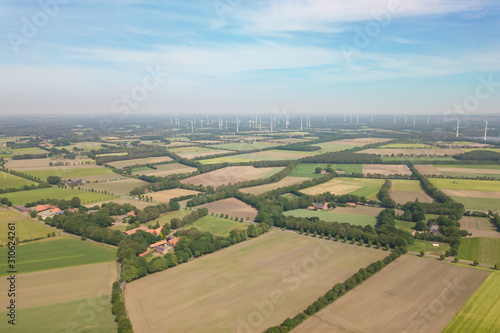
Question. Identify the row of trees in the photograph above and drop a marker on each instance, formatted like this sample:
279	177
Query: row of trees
119	310
384	197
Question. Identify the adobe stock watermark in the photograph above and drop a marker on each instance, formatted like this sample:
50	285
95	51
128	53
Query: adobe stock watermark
31	26
292	278
371	30
221	7
426	315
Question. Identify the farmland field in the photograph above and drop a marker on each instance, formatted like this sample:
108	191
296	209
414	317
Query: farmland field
232	207
466	184
148	160
10	181
386	169
403	191
227	175
405	225
25	228
485	250
424	152
416	160
203	152
164	170
34	151
44	163
481	204
57	253
23	197
137	203
406	145
308	169
66	317
332	216
116	187
357	186
61	285
428	248
479	226
87	173
287	181
242	277
217	226
166	195
480	313
409	295
237	146
268	155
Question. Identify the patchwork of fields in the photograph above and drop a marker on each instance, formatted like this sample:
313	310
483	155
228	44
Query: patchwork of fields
228	175
357	186
260	189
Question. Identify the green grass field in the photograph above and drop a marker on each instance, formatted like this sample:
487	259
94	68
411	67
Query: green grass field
416	160
481	204
23	197
330	147
268	155
271	173
216	226
8	181
56	253
485	250
91	315
406	185
362	187
426	246
237	146
25	229
328	216
405	225
306	170
480	313
466	184
406	145
470	175
469	166
496	150
70	173
24	151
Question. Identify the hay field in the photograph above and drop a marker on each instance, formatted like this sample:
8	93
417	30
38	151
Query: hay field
424	152
25	228
412	294
139	161
63	285
11	181
44	163
357	186
425	170
116	187
137	203
166	195
479	226
334	216
403	191
89	173
223	288
361	210
227	175
386	169
485	250
287	181
466	185
167	170
23	197
232	207
217	226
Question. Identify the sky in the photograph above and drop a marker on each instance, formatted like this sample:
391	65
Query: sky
249	57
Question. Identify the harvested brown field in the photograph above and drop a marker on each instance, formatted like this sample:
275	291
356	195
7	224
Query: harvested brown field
412	294
479	226
117	187
413	152
473	194
232	207
386	169
139	161
425	169
287	181
244	288
137	203
164	170
228	175
165	196
63	285
402	197
44	163
205	153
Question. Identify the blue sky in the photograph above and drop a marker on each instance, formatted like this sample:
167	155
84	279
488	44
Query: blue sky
234	56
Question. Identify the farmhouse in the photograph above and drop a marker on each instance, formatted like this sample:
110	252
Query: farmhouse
319	206
151	231
351	204
160	243
159	249
22	208
172	241
42	208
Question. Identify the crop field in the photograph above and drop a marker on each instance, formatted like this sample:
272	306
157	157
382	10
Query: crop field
287	181
137	203
471	171
166	195
485	250
409	295
57	253
334	146
23	197
496	150
386	169
166	170
333	216
308	169
423	152
268	155
228	175
44	163
427	169
139	161
217	226
65	317
64	284
232	207
428	248
466	184
406	145
25	228
479	226
479	203
10	181
480	313
361	210
90	173
239	280
357	186
116	187
204	152
403	191
238	146
34	151
416	160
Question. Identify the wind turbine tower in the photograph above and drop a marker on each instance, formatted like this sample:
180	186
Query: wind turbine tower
301	123
486	130
413	120
272	123
458	126
237	125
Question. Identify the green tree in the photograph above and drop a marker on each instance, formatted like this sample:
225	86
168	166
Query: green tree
442	257
33	213
422	253
75	202
54	180
476	263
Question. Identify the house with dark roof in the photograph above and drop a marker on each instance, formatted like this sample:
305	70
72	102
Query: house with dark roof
318	206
